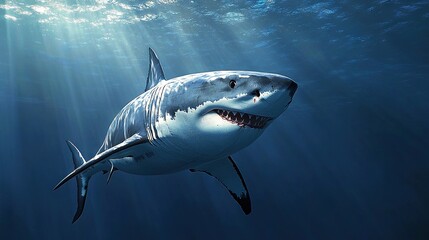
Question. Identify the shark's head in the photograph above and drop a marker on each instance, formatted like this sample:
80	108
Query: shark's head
222	112
218	113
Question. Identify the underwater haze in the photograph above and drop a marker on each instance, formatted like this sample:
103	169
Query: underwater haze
349	159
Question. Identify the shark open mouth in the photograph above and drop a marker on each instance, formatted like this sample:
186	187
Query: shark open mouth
243	119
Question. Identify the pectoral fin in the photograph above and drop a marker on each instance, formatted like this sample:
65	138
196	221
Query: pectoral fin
226	171
132	141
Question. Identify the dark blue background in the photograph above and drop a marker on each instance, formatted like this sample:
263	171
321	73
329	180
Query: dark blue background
347	160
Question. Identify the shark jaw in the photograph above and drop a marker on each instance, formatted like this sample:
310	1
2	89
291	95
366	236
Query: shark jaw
243	119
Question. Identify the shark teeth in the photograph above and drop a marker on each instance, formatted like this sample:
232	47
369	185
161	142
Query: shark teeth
243	119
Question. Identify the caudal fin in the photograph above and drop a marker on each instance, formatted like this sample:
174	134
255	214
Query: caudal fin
81	178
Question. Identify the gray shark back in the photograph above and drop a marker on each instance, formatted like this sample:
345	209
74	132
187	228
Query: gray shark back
138	115
129	121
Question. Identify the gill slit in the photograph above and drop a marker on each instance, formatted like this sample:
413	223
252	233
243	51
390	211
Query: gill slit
153	116
148	115
154	107
159	101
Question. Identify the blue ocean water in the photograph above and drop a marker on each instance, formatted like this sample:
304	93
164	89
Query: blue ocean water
349	159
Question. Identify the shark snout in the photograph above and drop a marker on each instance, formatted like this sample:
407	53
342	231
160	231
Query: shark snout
292	88
279	99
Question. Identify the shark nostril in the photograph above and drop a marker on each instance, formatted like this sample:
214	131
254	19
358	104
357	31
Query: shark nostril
256	93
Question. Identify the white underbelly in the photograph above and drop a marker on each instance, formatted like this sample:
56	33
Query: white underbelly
150	160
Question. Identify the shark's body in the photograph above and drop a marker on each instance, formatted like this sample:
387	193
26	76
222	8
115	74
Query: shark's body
191	122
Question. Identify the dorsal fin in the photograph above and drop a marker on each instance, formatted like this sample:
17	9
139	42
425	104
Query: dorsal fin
155	74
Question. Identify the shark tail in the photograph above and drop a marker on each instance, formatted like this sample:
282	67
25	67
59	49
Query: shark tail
82	180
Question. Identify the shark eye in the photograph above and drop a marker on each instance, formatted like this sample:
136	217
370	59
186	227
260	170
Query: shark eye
232	83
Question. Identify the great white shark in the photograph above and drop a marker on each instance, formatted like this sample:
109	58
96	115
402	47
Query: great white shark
190	122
